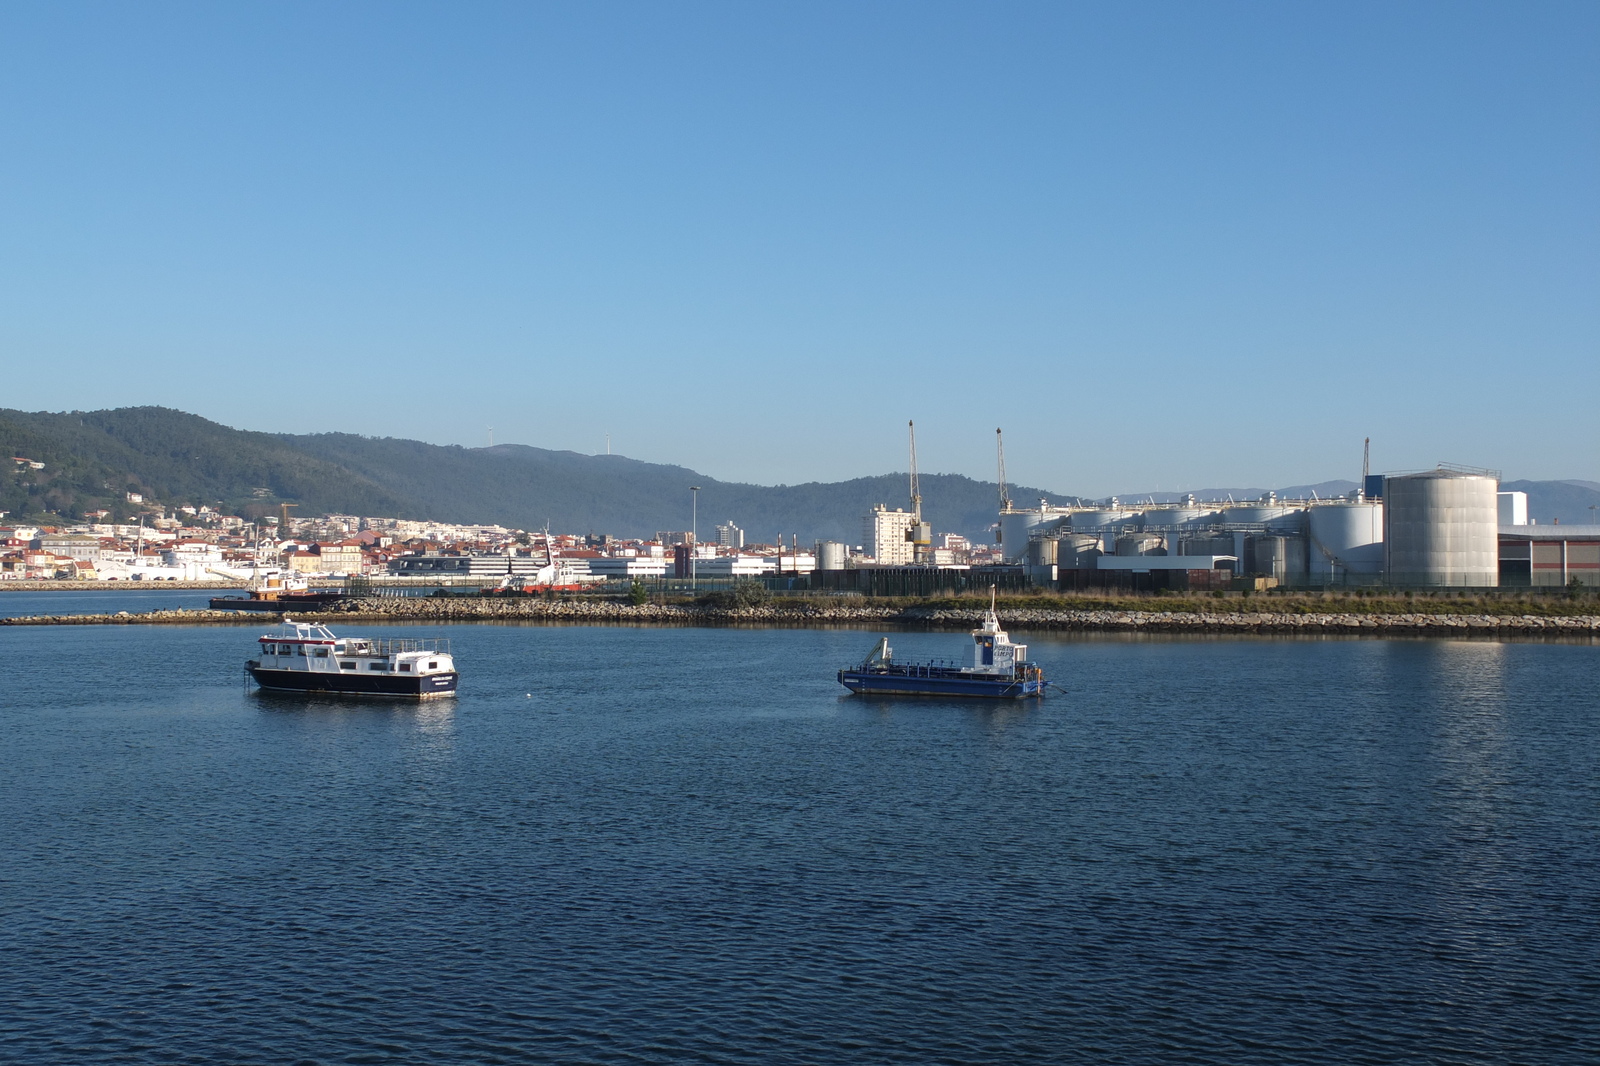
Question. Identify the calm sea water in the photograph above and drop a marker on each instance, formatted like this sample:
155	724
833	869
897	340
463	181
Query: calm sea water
690	846
134	601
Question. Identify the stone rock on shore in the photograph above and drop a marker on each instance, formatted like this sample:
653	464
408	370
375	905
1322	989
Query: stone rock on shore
812	613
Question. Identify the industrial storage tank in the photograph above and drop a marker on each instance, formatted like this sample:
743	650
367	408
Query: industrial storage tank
832	555
1281	557
1441	529
1207	544
1176	517
1077	551
1346	541
1101	519
1271	516
1015	528
1042	551
1140	544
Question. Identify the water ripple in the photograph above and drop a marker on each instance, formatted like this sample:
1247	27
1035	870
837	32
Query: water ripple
616	847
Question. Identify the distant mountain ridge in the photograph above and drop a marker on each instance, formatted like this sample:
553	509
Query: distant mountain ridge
92	459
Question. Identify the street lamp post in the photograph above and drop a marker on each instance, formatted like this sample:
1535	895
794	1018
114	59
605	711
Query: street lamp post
694	534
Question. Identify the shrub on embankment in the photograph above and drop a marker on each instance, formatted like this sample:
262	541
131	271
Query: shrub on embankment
1544	603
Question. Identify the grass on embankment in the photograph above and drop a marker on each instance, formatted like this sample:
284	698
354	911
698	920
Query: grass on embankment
1555	603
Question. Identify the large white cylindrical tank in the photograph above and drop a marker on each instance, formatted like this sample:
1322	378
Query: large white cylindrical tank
1346	539
1077	551
1441	529
1207	544
1176	517
832	555
1140	544
1281	557
1101	519
1042	551
1015	526
1273	517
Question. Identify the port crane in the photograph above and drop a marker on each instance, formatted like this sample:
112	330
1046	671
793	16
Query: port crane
920	535
1000	454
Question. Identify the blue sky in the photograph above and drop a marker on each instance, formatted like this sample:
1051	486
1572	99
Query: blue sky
1164	245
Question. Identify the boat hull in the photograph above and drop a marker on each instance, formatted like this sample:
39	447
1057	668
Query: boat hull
952	683
290	602
416	686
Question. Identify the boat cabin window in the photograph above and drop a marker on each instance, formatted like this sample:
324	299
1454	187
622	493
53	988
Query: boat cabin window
405	668
433	666
378	666
322	653
301	650
347	666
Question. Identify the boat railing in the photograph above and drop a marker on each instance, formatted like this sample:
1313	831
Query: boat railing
918	668
436	645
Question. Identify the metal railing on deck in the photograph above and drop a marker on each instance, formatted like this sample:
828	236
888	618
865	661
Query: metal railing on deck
434	645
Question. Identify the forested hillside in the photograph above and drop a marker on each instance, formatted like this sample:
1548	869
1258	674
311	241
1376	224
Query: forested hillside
93	459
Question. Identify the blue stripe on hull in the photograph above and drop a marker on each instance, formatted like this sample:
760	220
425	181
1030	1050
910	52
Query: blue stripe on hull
876	684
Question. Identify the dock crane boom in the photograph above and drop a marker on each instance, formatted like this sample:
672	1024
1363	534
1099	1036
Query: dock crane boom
1000	452
916	490
920	536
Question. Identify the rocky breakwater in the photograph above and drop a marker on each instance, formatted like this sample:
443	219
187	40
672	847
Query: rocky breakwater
446	610
1270	622
813	613
177	617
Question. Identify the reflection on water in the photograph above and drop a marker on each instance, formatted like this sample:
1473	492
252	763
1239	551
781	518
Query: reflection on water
623	845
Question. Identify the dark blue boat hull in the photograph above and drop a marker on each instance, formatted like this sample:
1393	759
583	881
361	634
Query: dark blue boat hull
355	684
912	682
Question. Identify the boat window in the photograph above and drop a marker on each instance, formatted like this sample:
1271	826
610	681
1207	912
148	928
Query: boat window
347	666
405	667
377	666
301	651
433	666
322	653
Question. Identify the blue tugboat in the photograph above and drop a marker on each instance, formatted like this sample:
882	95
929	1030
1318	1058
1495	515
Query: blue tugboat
995	668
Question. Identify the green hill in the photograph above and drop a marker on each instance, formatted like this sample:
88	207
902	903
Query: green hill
92	459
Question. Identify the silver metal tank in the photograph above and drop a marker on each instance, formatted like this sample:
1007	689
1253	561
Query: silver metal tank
1015	526
832	555
1271	516
1441	529
1140	544
1281	557
1042	551
1176	517
1101	519
1077	551
1345	540
1206	544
